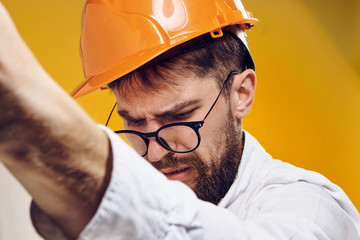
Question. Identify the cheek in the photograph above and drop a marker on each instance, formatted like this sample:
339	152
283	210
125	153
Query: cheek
210	145
213	127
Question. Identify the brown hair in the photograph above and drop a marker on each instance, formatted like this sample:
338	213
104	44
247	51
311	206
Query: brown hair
203	57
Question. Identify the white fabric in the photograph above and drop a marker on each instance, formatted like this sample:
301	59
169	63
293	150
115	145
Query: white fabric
268	200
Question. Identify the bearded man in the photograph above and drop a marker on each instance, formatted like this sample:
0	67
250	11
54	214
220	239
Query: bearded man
184	81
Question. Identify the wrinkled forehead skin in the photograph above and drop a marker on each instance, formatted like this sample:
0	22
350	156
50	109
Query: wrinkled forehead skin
158	82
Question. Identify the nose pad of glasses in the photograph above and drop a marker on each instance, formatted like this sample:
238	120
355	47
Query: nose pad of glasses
163	142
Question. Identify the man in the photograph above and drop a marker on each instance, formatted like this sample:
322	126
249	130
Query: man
182	112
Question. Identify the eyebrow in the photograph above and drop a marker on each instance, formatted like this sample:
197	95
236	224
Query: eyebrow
169	113
127	117
177	108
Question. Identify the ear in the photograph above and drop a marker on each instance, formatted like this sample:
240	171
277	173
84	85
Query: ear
243	93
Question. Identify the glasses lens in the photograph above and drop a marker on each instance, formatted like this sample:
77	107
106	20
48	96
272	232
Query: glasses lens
135	141
179	138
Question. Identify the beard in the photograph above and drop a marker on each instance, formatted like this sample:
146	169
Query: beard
214	179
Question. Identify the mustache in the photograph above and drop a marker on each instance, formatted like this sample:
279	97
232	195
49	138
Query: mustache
172	160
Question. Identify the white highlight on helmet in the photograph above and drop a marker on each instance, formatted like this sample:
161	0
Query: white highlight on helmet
240	6
177	20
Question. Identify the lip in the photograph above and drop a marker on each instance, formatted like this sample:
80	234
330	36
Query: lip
184	175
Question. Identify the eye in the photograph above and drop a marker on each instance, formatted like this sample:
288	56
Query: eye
184	115
134	122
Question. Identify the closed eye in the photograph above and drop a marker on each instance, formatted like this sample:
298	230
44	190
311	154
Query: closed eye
184	115
134	122
129	120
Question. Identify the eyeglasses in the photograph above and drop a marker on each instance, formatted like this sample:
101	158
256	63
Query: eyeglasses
179	137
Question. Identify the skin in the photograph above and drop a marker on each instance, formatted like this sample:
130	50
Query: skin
64	165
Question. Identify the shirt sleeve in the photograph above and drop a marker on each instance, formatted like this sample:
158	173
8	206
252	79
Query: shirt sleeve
140	203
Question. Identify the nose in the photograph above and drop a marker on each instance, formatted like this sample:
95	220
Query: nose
155	151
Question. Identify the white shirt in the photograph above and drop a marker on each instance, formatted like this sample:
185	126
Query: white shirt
269	199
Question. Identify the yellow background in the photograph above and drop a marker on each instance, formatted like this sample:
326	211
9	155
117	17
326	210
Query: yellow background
307	55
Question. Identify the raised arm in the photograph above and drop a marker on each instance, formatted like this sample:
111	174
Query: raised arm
64	160
46	140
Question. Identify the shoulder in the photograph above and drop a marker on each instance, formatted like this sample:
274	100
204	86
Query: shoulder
276	187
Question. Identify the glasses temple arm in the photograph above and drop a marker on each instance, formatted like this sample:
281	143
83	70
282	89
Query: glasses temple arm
112	110
228	77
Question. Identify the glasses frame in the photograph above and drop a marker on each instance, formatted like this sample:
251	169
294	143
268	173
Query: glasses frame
195	125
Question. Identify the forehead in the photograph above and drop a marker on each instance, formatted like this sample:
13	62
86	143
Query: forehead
162	93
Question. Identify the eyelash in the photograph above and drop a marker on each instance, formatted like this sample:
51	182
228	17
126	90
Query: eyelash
184	115
176	117
132	123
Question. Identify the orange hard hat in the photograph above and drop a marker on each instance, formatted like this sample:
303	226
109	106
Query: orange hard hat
118	36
